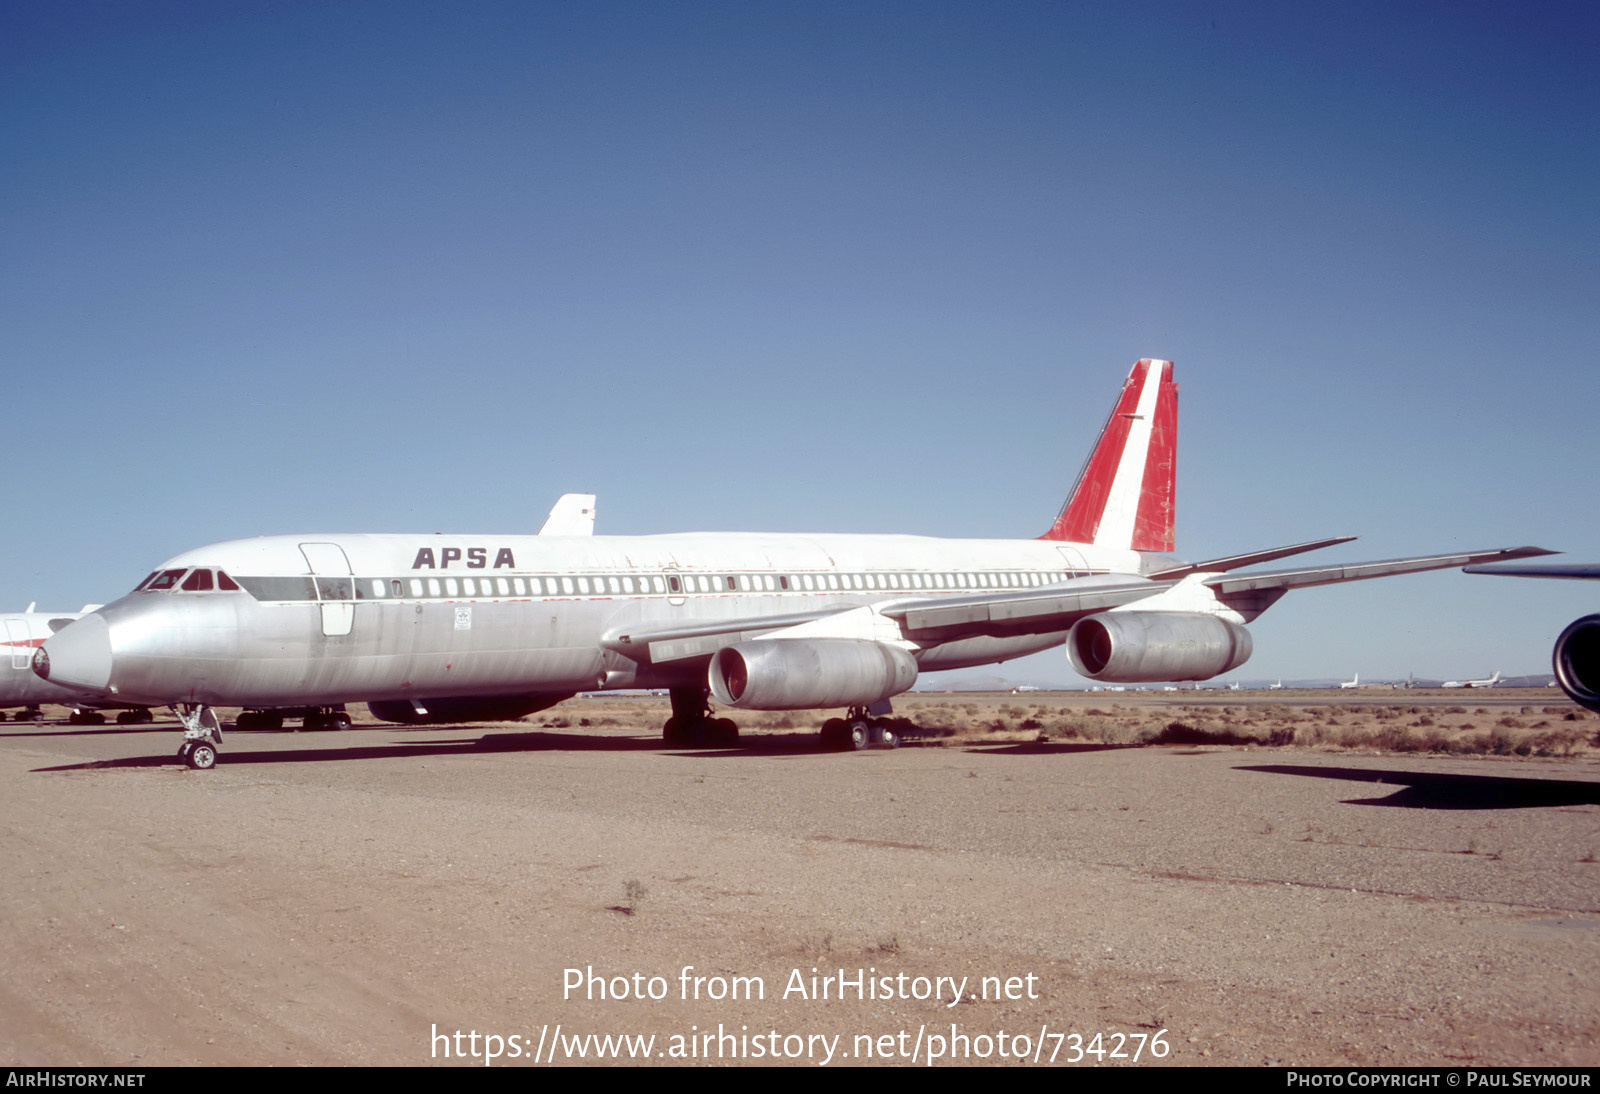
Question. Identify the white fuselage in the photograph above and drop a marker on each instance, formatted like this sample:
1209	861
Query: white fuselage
317	619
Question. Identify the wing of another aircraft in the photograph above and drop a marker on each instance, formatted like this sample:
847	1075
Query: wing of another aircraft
1577	653
1578	571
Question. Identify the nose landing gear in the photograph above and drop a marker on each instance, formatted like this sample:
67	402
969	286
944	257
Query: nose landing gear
202	735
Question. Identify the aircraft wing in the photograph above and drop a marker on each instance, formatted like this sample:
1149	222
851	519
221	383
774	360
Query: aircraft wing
933	620
1234	562
1283	580
941	619
1580	571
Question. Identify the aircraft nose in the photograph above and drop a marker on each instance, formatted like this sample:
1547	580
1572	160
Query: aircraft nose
78	656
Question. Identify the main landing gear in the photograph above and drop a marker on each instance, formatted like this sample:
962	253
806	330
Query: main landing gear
857	730
692	724
202	735
327	718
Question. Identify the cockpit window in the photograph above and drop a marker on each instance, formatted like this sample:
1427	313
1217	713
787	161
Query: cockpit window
226	583
162	581
198	581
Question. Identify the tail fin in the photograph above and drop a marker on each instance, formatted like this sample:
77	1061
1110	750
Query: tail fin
1124	496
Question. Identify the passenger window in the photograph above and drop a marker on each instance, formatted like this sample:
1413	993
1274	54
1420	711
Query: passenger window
520	585
451	588
469	586
378	588
503	585
433	586
395	587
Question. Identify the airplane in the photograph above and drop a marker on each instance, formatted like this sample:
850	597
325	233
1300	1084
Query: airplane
1352	683
1577	650
1486	683
25	631
501	626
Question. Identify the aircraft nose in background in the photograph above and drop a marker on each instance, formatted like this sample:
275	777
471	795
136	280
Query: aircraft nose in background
78	656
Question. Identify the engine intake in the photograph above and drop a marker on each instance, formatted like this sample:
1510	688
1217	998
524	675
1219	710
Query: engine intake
1144	647
808	674
1577	661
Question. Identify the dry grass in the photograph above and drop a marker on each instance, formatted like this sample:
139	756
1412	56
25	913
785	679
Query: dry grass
1306	720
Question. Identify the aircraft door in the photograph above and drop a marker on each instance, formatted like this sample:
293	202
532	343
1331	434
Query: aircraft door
1074	560
336	586
17	638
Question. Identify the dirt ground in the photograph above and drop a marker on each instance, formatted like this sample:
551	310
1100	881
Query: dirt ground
360	897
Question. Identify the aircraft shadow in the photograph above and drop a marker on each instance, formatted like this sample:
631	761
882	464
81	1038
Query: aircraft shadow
460	746
95	731
1044	748
1438	790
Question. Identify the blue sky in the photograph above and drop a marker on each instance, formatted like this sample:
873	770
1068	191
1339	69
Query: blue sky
273	267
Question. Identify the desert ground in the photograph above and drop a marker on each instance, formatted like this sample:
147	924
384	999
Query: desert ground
1361	877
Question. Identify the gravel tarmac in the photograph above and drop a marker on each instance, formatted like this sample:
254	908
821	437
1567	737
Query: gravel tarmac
359	897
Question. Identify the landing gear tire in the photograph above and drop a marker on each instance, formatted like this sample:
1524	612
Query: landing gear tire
674	733
722	731
134	717
202	755
885	737
859	736
833	734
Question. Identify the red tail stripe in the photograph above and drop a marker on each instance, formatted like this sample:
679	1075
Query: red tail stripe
1080	517
1153	527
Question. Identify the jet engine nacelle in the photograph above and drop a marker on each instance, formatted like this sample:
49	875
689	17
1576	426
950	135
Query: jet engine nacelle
1142	647
463	708
1577	661
809	673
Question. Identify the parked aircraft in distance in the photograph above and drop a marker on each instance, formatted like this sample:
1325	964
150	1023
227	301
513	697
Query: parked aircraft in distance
499	626
20	634
1577	650
1487	682
1352	683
